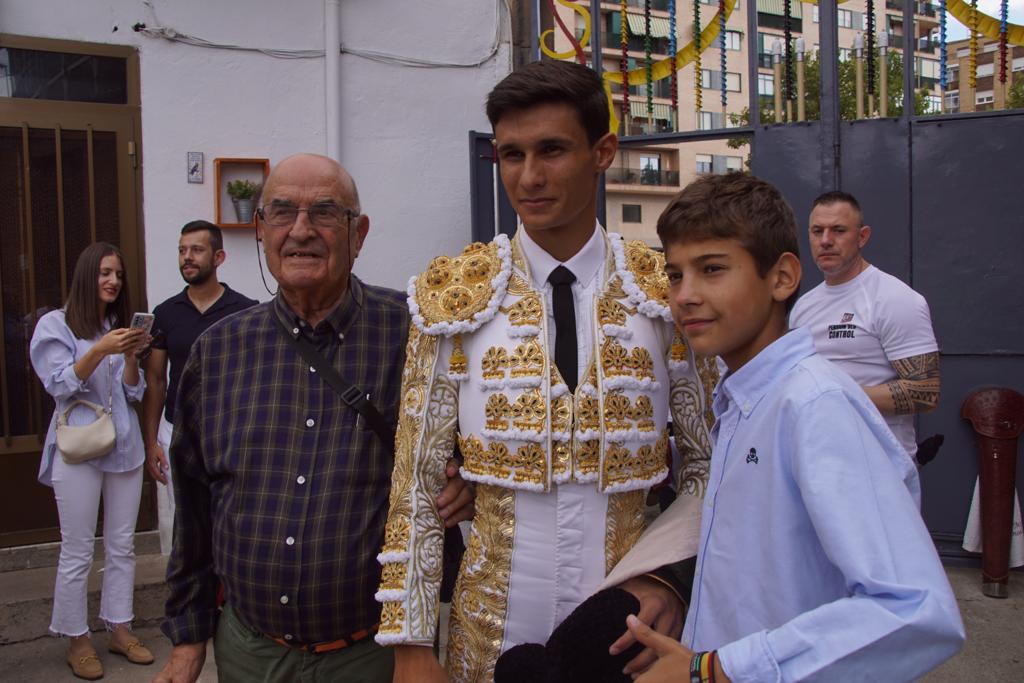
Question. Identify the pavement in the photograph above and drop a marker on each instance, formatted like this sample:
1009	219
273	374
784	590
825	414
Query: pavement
994	651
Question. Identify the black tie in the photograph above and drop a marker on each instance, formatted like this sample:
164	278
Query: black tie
561	279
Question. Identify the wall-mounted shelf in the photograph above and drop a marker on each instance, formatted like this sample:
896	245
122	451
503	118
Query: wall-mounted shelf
227	170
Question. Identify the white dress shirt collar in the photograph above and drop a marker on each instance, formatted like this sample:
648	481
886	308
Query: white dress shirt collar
584	264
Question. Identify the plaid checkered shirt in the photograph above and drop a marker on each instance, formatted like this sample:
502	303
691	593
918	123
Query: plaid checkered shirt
281	489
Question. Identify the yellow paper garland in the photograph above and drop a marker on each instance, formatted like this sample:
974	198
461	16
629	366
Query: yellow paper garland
568	54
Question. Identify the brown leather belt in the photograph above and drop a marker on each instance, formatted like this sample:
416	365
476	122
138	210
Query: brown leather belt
331	645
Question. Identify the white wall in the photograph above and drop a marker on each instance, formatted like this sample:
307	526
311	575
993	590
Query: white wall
404	130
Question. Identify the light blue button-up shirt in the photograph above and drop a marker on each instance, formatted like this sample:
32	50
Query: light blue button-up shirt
54	350
814	563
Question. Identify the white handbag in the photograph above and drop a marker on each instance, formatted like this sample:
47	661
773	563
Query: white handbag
79	443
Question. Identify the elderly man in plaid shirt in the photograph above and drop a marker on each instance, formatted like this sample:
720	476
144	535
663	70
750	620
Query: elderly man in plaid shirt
282	488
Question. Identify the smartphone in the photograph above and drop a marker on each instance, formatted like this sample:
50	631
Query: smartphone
143	321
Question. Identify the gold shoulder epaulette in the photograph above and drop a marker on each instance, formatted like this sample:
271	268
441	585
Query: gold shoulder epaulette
648	269
642	271
456	295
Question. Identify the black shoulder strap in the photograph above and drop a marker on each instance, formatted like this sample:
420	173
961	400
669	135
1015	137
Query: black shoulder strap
353	396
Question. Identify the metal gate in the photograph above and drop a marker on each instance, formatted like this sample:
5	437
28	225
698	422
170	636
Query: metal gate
942	194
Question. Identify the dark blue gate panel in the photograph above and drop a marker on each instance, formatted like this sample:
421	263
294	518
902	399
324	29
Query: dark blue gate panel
874	168
789	157
947	482
968	206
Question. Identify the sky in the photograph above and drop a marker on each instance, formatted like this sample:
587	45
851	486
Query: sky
957	31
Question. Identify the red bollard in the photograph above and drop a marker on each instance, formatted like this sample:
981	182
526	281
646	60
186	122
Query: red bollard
997	416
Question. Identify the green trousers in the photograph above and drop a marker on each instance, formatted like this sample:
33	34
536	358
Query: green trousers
245	656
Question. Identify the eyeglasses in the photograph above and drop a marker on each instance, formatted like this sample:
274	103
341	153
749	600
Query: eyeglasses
322	215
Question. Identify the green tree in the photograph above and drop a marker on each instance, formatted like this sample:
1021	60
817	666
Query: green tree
848	87
847	95
1015	97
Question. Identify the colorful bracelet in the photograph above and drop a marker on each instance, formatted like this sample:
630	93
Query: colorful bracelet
695	667
707	667
702	667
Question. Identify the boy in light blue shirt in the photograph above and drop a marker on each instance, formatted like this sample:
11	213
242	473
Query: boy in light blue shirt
813	561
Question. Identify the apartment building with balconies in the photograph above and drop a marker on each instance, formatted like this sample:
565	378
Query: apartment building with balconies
644	177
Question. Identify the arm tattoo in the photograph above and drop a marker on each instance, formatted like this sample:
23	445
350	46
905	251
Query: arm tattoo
917	388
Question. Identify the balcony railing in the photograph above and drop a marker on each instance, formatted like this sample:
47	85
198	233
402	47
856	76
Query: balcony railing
642	176
612	41
924	44
926	9
661	5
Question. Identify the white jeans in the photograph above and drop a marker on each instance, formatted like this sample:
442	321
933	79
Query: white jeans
77	489
165	494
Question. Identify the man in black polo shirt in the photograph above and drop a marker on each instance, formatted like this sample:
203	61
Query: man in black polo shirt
179	322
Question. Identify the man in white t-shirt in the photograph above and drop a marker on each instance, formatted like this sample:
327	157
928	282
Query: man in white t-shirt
870	323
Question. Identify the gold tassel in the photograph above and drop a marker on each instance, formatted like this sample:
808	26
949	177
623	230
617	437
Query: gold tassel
458	364
680	351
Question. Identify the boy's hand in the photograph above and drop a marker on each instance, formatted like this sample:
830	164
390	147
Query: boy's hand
673	663
659	607
674	658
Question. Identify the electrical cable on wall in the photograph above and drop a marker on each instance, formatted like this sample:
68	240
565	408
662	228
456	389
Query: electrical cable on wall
421	63
174	35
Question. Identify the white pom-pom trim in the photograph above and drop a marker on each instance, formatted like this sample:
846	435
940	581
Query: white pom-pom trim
400	557
488	384
523	330
390	638
562	478
505	482
617	331
637	297
458	376
531	382
391	595
559	390
515	435
627	382
678	366
630	435
634	484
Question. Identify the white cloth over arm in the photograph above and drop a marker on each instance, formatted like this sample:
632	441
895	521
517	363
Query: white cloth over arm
672	537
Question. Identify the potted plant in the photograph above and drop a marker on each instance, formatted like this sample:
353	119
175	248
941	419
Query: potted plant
243	193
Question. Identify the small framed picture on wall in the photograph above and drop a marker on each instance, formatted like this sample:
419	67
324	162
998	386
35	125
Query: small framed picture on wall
195	167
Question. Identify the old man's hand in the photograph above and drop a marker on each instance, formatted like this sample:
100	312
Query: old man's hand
455	504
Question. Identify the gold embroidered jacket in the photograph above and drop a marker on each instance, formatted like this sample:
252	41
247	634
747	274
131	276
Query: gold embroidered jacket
478	359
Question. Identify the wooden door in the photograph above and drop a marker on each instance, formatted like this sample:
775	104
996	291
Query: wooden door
67	179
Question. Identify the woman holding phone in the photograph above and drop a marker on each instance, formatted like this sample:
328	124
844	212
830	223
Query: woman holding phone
85	351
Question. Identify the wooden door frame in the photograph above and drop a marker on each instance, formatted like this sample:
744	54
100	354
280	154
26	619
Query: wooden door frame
126	121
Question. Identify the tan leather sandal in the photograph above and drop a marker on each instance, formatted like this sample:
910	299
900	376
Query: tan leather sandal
135	652
86	666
